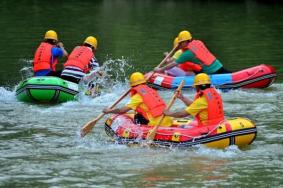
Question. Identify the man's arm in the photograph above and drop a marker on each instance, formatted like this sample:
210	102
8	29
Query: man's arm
185	100
121	110
178	114
166	67
61	46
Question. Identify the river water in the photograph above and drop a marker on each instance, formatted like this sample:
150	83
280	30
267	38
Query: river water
40	145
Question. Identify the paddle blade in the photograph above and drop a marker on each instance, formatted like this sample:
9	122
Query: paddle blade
88	127
151	134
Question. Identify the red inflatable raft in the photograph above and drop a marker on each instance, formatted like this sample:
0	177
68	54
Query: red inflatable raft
260	76
234	131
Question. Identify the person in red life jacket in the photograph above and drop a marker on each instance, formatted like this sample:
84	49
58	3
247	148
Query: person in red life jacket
145	101
207	107
196	52
184	69
46	55
81	61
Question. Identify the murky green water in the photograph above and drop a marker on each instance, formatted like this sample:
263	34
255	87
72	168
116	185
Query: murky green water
39	144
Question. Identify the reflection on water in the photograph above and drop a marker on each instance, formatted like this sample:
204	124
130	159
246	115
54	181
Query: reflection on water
188	170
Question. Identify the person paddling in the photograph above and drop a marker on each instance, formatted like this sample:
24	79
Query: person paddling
196	52
207	106
47	54
184	69
81	61
89	125
145	101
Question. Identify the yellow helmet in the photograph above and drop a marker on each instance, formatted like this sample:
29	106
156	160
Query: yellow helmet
176	42
51	35
91	41
184	36
201	79
137	78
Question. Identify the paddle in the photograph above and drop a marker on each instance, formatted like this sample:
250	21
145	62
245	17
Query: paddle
89	126
151	134
163	61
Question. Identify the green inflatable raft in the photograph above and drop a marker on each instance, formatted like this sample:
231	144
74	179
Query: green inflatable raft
46	89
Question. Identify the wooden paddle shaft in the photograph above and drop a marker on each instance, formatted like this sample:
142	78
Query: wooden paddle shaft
113	105
152	133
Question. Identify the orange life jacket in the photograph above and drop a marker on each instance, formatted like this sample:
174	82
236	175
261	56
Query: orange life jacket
80	57
151	99
201	52
42	58
215	113
189	66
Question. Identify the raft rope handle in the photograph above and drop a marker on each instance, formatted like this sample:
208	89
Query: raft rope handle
193	137
259	69
216	127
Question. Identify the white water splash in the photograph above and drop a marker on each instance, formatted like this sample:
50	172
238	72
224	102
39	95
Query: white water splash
6	95
26	71
115	74
229	152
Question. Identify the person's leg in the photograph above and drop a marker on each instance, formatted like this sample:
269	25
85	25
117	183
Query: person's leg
176	71
93	89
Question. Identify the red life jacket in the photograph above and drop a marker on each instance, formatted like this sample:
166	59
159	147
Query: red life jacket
189	66
42	58
215	113
201	52
80	58
151	99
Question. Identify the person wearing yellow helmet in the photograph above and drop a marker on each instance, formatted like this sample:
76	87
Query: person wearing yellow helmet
174	71
47	54
207	106
196	52
81	61
184	69
145	101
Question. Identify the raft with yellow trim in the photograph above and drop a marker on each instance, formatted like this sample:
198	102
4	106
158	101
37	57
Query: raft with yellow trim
233	131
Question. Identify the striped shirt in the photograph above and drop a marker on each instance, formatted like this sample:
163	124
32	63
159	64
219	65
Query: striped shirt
78	73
